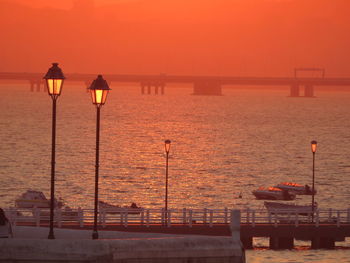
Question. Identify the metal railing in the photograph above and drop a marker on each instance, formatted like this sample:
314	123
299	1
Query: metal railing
186	217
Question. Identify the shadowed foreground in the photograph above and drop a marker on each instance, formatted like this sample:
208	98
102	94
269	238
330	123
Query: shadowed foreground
77	246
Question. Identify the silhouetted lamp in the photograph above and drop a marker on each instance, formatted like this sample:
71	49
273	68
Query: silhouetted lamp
313	149
167	149
99	90
313	146
167	146
54	82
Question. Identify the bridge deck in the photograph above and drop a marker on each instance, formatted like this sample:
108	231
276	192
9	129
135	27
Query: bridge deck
222	80
303	231
281	226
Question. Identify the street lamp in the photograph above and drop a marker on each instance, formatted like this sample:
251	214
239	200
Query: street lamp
313	150
167	149
54	82
99	90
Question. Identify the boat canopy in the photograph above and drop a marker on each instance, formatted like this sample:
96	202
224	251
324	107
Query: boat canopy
292	184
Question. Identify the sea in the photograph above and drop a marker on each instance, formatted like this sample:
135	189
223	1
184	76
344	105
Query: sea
222	147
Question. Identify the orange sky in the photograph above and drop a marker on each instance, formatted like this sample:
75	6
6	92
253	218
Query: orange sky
216	37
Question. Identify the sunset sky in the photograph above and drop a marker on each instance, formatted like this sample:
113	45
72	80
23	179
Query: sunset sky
215	37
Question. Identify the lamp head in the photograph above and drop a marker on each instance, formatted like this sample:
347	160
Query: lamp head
54	80
167	145
313	146
99	90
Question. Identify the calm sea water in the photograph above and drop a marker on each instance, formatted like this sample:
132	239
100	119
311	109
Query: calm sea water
221	147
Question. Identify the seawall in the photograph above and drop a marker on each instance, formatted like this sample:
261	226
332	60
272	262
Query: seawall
164	249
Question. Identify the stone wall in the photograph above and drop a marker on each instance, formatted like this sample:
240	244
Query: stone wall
192	249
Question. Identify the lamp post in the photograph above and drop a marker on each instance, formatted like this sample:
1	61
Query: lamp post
99	90
313	150
167	149
54	81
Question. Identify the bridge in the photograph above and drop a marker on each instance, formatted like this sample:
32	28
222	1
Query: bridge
202	85
326	227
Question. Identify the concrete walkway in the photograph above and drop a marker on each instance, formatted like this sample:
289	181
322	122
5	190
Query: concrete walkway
30	244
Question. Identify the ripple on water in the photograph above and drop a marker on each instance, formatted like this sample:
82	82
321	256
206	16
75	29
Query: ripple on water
221	147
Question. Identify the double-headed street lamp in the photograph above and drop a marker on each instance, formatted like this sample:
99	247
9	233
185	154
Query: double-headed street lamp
167	149
313	150
54	83
99	90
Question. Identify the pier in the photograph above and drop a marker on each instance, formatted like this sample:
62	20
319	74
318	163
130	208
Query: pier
202	85
282	227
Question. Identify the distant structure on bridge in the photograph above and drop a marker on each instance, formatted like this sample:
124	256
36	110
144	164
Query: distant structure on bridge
202	85
309	89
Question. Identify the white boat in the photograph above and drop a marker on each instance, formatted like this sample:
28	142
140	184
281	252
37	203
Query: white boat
282	208
116	209
296	188
32	198
273	193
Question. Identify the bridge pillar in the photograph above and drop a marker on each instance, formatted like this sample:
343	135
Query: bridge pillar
294	90
309	91
37	83
322	242
286	242
158	87
315	243
32	83
235	225
209	88
247	242
327	242
281	242
273	244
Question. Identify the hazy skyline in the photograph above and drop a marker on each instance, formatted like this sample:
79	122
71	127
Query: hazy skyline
224	37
